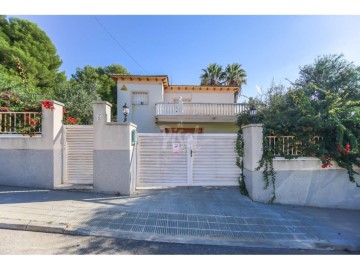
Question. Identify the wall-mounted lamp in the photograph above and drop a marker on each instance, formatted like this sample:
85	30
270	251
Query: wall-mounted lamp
253	114
126	111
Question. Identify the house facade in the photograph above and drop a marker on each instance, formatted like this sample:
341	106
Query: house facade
158	107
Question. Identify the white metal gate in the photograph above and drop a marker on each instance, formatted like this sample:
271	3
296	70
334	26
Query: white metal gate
78	154
214	160
186	160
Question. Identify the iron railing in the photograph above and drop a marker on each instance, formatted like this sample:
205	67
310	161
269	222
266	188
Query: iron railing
287	145
20	122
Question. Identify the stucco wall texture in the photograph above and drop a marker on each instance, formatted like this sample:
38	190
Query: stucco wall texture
112	172
311	188
30	168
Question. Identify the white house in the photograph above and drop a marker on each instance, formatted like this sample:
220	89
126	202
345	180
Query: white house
155	106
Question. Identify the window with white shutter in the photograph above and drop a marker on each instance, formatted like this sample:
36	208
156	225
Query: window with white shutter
140	98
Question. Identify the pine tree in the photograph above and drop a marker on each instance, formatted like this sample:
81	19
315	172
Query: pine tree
23	44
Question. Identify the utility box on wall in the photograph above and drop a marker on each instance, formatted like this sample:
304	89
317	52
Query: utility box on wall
134	137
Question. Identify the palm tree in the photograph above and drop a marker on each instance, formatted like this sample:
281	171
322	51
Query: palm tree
212	75
235	75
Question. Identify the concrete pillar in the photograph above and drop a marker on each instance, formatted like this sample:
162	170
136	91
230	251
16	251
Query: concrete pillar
253	148
112	152
54	125
253	140
101	112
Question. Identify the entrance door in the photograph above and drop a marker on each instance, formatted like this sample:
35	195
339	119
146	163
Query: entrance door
78	154
177	159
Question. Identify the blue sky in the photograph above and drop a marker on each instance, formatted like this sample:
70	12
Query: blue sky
268	47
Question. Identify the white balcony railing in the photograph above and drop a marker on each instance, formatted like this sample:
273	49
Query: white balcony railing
206	109
15	122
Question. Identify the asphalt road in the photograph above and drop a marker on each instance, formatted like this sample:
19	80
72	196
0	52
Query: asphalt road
24	242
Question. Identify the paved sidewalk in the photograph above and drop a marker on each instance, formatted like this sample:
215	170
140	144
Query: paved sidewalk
219	216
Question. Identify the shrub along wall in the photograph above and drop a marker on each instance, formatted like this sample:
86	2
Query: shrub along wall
299	181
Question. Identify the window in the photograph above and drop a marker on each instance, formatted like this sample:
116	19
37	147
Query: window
140	98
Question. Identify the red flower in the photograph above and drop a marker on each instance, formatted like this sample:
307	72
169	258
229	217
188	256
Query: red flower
32	121
64	111
327	164
72	120
347	148
48	105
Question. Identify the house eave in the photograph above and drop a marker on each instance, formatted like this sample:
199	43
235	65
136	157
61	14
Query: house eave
140	78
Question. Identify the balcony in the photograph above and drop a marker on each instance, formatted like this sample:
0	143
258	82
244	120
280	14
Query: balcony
199	112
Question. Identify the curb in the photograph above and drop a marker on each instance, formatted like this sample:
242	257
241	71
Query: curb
37	226
338	247
304	245
46	227
13	224
32	225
